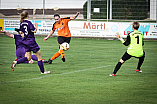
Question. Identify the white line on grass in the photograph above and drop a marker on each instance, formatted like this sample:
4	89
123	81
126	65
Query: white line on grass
83	70
54	74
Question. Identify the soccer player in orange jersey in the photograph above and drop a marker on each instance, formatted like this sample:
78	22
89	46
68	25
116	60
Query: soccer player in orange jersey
64	35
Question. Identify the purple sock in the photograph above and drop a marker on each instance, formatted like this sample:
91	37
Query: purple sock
34	58
22	60
26	62
41	66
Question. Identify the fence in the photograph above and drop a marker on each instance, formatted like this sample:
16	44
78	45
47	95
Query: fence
120	9
90	9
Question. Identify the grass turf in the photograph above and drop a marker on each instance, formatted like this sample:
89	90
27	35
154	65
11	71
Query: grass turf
83	78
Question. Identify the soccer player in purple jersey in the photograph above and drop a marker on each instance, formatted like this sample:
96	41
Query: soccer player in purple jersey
28	29
20	48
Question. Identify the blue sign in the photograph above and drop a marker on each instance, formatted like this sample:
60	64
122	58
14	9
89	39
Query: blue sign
144	28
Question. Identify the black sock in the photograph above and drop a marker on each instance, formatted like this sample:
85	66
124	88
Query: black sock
141	59
117	67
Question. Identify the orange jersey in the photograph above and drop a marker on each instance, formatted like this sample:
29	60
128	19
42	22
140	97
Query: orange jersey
62	27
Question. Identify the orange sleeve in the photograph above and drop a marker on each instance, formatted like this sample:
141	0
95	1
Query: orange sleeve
53	27
67	19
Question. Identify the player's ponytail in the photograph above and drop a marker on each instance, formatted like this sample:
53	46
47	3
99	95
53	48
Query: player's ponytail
24	14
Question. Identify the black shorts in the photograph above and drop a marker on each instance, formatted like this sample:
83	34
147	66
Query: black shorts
63	39
126	56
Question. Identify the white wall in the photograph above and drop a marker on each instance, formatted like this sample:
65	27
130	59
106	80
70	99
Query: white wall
38	4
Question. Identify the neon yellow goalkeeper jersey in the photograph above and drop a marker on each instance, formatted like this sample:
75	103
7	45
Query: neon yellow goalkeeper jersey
135	47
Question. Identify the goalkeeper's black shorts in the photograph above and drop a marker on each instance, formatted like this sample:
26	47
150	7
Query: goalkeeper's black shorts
126	56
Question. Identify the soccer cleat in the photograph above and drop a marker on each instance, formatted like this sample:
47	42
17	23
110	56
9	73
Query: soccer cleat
63	59
138	71
50	61
46	72
44	61
16	59
112	75
13	65
31	61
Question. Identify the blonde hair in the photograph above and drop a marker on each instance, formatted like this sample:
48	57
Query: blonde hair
24	14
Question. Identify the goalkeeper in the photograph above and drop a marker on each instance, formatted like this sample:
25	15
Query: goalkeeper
135	42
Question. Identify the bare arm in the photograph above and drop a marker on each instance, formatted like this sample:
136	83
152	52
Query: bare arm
73	17
7	34
51	32
36	27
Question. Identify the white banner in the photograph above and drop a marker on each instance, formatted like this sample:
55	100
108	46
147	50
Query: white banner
44	27
10	25
89	29
93	29
149	30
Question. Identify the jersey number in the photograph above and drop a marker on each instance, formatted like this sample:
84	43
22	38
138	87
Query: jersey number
137	39
26	32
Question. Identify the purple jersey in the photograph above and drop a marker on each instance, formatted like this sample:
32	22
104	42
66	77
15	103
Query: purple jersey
20	48
29	40
28	29
18	41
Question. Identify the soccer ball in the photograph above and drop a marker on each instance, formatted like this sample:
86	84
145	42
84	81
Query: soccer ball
64	46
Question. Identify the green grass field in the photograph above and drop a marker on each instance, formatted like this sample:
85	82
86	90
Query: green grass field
83	78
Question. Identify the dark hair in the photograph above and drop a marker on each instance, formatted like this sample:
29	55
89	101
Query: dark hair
17	30
135	25
56	15
24	14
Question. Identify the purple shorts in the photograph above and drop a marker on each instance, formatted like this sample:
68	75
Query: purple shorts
32	47
20	52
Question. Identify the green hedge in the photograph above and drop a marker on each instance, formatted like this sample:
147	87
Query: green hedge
121	9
